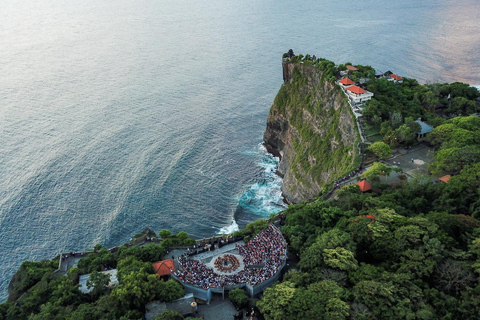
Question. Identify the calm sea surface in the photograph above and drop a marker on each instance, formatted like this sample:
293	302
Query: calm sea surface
121	115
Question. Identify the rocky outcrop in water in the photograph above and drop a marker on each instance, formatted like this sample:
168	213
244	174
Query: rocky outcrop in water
312	129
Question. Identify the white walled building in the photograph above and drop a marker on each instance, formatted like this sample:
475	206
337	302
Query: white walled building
358	95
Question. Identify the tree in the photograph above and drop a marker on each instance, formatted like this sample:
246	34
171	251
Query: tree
456	133
336	309
475	251
169	315
275	301
453	160
164	234
461	106
396	119
30	273
137	288
459	89
377	296
305	305
131	264
170	290
238	297
313	257
452	277
385	128
97	261
98	282
403	135
304	221
414	126
377	169
65	292
380	149
150	253
340	258
327	289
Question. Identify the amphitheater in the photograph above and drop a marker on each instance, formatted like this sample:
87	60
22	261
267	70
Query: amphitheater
254	266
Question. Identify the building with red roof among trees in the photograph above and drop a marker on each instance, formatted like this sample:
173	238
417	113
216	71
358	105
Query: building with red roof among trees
359	95
351	68
395	78
346	82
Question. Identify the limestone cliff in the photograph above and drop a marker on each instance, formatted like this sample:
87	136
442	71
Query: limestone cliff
312	129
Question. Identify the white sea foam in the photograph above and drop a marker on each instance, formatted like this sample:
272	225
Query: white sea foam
264	197
229	229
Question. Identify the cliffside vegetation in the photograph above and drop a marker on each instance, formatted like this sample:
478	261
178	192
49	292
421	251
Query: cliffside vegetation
312	127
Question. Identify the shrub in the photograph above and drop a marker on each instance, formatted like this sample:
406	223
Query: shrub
238	296
169	315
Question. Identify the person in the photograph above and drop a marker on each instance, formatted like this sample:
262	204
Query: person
412	159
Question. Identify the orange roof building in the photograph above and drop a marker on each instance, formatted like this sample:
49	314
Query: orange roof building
364	185
358	95
356	90
395	77
351	68
346	82
445	179
164	267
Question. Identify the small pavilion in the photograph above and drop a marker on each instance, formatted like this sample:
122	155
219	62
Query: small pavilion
364	186
164	267
445	178
346	82
395	78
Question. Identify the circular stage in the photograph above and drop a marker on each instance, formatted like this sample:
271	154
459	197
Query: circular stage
226	264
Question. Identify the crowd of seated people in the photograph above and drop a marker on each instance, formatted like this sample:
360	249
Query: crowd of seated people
263	256
227	263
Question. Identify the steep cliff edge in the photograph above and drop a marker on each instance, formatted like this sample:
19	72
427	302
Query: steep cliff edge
311	127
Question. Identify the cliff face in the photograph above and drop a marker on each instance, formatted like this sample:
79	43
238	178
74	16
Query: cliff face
312	129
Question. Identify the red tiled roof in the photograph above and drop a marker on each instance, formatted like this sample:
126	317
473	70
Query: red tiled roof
364	185
346	81
351	68
445	178
395	77
356	90
164	267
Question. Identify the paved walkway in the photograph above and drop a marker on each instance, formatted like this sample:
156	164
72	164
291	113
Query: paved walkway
69	261
218	309
414	162
208	255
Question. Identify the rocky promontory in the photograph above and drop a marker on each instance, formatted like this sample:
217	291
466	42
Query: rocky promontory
311	128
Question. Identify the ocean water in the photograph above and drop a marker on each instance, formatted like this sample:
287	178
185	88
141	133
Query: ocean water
121	115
